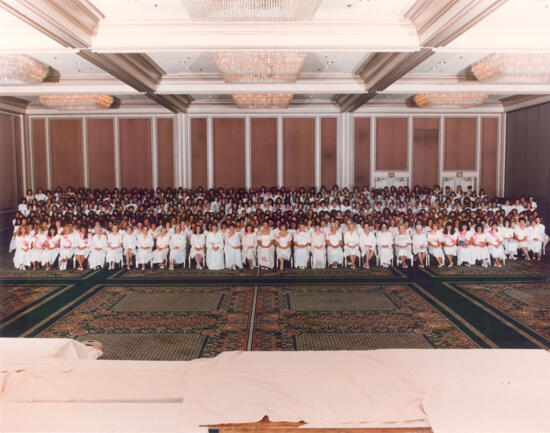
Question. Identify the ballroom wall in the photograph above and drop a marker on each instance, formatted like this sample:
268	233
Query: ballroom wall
528	155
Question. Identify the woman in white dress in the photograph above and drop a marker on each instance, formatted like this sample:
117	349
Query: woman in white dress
534	238
318	249
403	242
162	248
435	244
145	244
367	243
22	257
420	245
510	243
283	242
464	241
52	247
82	249
214	249
479	247
249	243
495	244
266	249
335	254
98	248
129	245
522	237
178	247
233	257
301	242
114	248
384	241
38	248
66	247
450	238
351	243
197	241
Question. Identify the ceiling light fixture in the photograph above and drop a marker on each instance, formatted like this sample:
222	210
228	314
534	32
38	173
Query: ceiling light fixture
449	100
77	102
20	69
514	68
251	10
262	100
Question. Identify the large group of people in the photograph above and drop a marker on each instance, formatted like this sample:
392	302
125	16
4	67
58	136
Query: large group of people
273	228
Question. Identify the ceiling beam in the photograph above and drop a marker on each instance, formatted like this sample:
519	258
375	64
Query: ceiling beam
72	23
438	23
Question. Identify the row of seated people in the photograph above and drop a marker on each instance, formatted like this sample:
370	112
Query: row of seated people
310	244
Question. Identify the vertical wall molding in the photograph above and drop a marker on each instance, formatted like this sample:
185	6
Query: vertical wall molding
85	164
317	152
210	152
117	152
280	151
247	153
372	149
479	125
31	153
154	153
23	153
441	148
48	152
410	162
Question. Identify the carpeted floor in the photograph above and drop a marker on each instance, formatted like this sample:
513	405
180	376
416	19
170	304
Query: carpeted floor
185	314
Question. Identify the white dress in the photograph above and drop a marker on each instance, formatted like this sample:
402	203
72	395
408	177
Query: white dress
367	242
97	258
83	246
178	247
534	237
197	241
301	254
479	252
214	258
449	244
521	234
250	243
51	252
318	255
129	242
114	253
465	253
436	238
419	243
334	252
352	238
265	255
160	255
21	257
493	239
233	256
145	245
403	251
66	247
385	239
284	241
37	250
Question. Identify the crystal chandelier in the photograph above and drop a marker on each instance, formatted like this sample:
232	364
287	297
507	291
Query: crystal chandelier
251	10
514	68
77	102
262	100
21	69
260	67
449	100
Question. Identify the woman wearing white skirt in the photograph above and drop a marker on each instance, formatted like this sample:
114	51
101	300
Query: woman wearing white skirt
162	247
214	249
435	244
367	244
145	244
98	247
249	242
114	248
522	237
22	257
283	242
510	243
302	242
178	247
52	247
318	249
464	241
403	242
197	241
449	243
495	244
335	255
129	245
266	250
82	249
233	257
351	244
384	241
420	245
38	248
534	238
479	247
66	248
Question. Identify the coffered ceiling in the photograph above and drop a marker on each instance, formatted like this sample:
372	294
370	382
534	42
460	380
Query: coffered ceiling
358	52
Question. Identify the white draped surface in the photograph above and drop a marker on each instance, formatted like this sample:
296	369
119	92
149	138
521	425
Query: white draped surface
61	387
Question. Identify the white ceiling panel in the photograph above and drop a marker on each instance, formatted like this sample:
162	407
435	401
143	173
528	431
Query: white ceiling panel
447	63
